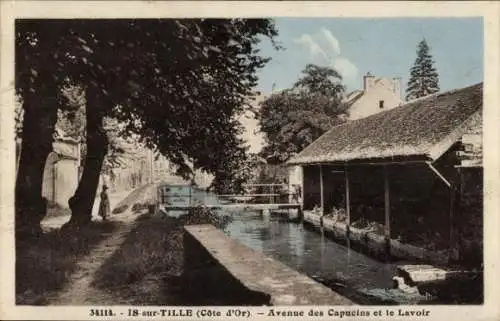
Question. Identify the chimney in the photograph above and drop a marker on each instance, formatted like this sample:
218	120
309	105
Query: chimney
397	86
368	80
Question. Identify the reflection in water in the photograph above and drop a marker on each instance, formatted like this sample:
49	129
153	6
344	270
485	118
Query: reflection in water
311	253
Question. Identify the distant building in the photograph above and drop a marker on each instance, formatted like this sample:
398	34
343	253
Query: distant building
252	134
378	94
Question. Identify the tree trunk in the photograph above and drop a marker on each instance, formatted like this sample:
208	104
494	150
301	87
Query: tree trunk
40	117
82	202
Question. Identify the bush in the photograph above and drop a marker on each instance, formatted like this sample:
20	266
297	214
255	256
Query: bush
138	207
203	215
120	209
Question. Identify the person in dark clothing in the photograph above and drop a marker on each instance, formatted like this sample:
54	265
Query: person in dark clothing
104	206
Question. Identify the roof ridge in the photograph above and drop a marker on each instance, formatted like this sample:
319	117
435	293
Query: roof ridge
414	134
451	91
408	103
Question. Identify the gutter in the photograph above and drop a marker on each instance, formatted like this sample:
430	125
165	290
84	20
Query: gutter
348	163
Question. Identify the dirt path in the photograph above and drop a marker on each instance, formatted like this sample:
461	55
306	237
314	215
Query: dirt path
56	222
79	290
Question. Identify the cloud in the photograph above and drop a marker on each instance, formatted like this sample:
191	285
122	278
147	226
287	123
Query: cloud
332	41
346	68
315	49
324	49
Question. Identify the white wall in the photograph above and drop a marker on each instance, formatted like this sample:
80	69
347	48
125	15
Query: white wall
60	177
385	89
66	180
48	177
252	134
295	178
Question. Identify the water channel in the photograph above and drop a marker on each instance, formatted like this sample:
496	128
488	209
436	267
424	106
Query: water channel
360	277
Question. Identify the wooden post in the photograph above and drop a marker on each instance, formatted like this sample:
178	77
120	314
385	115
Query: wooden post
190	192
387	206
452	245
322	191
347	199
54	181
458	216
301	194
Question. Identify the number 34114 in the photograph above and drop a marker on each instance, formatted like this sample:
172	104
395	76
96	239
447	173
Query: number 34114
101	313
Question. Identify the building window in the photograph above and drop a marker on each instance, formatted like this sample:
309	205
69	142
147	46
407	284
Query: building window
381	104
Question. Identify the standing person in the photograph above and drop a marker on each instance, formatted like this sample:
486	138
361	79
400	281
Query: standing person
104	206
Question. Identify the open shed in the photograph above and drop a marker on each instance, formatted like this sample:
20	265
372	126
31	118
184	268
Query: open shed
399	168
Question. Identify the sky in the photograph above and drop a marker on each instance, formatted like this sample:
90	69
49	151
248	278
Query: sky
386	47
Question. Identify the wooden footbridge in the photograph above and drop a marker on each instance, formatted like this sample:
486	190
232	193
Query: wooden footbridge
275	197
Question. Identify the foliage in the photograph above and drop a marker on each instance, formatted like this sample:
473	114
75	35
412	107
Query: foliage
321	80
294	118
40	62
424	79
234	171
172	82
71	116
203	215
71	123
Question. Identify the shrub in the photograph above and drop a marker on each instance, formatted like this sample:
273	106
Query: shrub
203	215
120	209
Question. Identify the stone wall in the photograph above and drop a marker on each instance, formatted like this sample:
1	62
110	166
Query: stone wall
66	180
216	265
207	282
60	178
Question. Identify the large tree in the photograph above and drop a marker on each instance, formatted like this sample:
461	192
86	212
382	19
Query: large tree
175	83
424	79
295	117
39	82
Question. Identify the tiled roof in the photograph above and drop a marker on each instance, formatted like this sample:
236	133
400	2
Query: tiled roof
423	128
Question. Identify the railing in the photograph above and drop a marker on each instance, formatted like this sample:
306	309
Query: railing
254	193
175	193
267	191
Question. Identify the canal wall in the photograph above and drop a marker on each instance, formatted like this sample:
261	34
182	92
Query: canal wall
215	264
204	277
373	243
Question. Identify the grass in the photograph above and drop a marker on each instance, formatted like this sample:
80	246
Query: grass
45	264
55	210
146	269
151	252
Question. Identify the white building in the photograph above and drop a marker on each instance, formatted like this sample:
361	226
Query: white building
378	94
